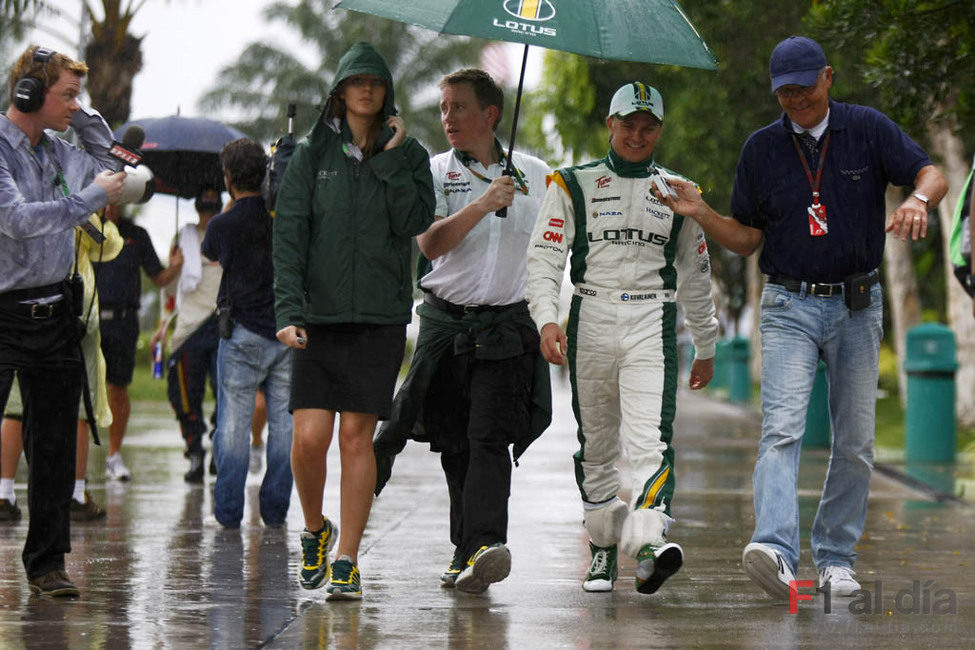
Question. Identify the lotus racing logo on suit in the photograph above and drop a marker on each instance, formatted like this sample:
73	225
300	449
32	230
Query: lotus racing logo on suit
629	237
533	11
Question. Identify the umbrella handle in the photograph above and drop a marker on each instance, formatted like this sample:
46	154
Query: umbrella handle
509	166
292	111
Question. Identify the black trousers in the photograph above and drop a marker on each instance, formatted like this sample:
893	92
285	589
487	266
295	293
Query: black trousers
475	409
45	355
189	367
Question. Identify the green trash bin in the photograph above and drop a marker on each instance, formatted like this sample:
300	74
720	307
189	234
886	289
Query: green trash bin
739	379
817	415
930	365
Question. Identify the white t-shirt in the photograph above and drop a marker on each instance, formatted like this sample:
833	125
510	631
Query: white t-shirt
488	266
197	305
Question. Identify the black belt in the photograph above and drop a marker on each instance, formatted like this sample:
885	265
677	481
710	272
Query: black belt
820	289
459	311
15	301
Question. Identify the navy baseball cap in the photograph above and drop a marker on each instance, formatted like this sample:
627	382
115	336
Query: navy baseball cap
797	60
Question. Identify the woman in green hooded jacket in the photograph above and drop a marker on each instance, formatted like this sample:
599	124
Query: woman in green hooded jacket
355	192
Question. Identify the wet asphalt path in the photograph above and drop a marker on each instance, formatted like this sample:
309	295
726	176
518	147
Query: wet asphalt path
159	572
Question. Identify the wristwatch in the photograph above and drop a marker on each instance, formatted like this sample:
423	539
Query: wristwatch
923	198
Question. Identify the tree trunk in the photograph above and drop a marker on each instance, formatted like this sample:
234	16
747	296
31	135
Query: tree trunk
949	149
902	291
755	282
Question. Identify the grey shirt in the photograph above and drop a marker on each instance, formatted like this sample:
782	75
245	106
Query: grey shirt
36	218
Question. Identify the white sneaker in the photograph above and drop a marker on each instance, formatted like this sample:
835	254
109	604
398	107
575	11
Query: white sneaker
115	468
840	580
256	459
768	570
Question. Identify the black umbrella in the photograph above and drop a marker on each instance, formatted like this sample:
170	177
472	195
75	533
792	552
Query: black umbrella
183	152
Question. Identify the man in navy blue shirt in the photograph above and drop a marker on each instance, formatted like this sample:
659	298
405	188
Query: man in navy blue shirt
811	187
250	356
119	295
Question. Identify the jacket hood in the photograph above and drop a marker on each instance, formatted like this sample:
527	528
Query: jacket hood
362	58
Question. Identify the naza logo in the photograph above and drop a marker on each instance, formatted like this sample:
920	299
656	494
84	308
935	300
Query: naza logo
534	10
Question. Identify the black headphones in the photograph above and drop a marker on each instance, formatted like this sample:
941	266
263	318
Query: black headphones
29	91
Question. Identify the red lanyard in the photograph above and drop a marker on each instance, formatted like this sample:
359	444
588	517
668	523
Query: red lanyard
814	183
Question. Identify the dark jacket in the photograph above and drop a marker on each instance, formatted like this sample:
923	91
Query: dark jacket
489	335
342	227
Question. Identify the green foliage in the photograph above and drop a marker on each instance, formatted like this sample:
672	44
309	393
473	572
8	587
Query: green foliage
918	55
571	101
16	15
268	75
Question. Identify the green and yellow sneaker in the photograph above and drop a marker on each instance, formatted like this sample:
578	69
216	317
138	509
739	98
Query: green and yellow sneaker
314	554
655	565
344	583
449	576
603	569
489	564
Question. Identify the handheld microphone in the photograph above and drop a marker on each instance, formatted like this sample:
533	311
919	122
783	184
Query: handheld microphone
128	150
138	185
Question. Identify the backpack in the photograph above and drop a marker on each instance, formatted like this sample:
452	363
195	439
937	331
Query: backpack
960	244
281	153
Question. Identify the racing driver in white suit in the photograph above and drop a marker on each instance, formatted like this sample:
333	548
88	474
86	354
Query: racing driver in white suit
631	257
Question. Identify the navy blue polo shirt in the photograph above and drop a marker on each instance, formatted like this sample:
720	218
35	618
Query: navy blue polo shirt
118	281
867	150
240	239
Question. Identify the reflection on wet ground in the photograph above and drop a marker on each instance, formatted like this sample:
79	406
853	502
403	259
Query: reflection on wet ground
159	572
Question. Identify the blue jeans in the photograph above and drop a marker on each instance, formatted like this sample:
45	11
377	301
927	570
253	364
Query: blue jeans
797	331
245	362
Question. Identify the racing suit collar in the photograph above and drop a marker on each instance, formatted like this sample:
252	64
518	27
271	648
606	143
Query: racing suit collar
627	169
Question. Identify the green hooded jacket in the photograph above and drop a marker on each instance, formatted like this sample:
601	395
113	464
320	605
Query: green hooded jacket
342	227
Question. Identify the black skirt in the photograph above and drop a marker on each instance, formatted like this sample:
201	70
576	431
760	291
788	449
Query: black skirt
348	367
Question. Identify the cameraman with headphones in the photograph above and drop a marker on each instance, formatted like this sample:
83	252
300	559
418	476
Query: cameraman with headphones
47	187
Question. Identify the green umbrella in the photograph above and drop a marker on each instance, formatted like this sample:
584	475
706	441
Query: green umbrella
648	31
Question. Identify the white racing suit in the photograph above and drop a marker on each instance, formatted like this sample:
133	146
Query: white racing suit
631	257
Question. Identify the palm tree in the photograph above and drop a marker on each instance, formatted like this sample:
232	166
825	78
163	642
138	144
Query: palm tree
268	76
16	17
114	57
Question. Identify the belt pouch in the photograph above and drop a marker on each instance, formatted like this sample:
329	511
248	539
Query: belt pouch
856	291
